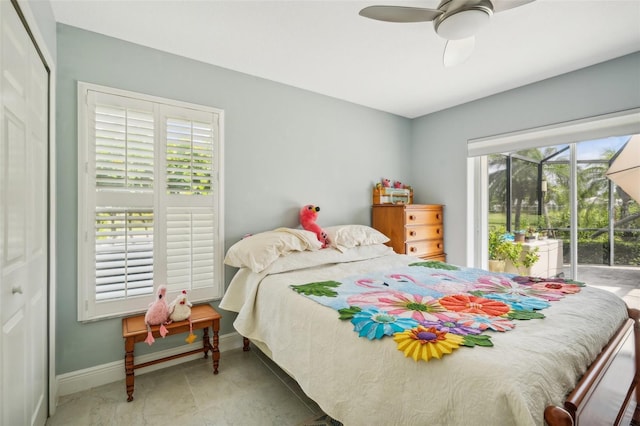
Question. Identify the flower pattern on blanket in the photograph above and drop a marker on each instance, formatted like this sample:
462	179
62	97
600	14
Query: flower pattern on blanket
431	309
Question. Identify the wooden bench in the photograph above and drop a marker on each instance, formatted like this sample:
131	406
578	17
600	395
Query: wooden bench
134	330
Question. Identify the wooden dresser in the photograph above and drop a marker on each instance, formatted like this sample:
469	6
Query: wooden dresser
414	229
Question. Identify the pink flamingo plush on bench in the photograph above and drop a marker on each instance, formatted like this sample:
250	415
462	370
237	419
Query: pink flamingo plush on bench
157	314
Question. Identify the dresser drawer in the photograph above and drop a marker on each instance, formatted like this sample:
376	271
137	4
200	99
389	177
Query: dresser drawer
422	217
438	257
425	248
423	232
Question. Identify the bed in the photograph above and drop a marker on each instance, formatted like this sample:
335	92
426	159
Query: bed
575	365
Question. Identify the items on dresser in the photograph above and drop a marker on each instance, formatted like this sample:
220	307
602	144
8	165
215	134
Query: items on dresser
386	195
415	229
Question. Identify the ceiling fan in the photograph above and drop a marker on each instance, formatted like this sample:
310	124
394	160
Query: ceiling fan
457	21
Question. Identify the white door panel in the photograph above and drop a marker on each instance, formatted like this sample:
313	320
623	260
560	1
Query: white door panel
14	379
14	177
23	225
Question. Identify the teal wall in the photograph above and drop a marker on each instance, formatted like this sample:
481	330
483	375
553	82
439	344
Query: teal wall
439	142
284	147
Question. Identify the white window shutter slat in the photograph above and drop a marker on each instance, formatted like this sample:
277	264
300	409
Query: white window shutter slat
124	149
190	148
124	253
190	248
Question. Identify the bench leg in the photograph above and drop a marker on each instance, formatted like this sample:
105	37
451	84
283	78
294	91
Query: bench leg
128	367
246	344
216	350
206	344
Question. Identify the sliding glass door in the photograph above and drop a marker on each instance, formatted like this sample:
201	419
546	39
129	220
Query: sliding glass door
560	197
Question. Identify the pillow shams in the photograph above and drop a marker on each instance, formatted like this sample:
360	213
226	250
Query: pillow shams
345	237
310	259
258	251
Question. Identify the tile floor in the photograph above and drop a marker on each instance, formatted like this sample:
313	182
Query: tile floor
248	390
623	281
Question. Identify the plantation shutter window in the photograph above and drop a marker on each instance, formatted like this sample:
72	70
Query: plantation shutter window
149	201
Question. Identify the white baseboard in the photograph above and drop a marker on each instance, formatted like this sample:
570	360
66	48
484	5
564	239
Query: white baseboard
81	380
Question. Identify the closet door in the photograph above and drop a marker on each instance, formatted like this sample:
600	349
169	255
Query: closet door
23	225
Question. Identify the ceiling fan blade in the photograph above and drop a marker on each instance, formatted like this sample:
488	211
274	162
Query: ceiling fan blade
400	13
502	5
458	51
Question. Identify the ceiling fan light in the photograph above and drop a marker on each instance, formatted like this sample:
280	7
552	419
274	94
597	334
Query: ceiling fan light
462	24
458	51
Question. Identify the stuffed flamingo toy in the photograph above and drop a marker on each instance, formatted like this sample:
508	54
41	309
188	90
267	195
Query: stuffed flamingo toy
308	216
180	310
157	314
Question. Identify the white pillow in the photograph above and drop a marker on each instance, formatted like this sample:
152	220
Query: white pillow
258	251
345	237
311	259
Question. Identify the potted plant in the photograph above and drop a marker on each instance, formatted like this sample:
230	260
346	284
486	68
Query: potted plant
501	250
528	260
521	232
512	253
531	234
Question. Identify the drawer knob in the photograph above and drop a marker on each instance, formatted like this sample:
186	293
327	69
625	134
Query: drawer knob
438	231
439	245
438	216
413	249
412	217
412	233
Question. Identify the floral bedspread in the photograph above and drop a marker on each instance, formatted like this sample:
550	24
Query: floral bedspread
431	309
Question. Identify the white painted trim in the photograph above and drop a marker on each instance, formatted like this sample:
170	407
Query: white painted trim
53	256
82	380
472	224
477	212
573	210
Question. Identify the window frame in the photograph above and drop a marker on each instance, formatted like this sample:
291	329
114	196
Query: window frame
89	309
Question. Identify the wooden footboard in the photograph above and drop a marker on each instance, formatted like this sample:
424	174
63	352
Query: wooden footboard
607	392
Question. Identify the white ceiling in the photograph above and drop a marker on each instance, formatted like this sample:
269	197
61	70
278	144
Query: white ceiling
326	47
